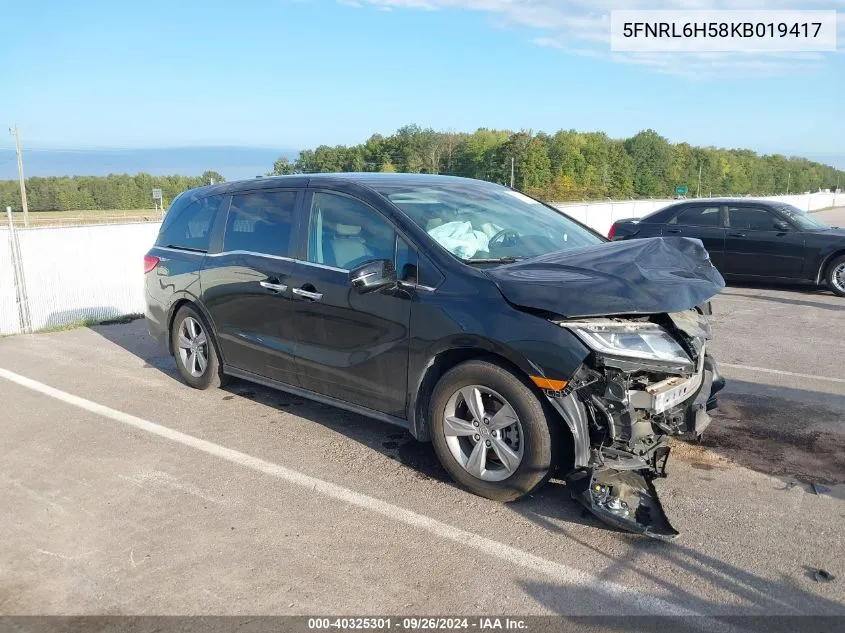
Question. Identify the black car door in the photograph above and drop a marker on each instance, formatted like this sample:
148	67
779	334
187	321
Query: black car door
351	346
760	243
246	284
702	221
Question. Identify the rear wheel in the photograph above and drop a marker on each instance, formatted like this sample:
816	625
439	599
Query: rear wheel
491	432
194	351
836	276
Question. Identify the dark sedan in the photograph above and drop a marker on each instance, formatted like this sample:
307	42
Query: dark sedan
752	239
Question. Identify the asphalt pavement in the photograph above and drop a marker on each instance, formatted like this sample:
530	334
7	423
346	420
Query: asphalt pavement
126	492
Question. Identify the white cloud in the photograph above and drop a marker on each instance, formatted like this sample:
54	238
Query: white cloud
582	27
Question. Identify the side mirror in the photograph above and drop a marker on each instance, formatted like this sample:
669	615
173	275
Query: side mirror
782	225
373	275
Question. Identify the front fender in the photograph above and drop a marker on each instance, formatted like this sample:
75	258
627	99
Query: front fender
532	346
824	259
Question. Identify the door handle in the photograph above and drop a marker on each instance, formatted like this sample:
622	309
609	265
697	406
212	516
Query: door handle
737	234
673	230
314	296
274	287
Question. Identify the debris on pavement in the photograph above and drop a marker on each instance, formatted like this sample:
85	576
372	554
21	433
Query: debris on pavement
822	575
819	489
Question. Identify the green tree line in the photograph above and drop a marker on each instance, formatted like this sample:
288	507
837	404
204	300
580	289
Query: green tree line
63	193
567	165
570	165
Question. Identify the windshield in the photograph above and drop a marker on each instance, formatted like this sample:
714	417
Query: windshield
480	221
803	220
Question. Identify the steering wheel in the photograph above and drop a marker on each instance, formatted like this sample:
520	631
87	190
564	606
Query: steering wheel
505	237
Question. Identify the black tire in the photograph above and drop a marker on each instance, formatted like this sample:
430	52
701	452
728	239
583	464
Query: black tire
212	376
836	287
539	430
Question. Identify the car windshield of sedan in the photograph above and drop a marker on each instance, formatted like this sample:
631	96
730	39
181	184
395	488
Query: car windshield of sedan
486	223
804	220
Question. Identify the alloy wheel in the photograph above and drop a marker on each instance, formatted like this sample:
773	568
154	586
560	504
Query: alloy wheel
838	277
483	433
193	347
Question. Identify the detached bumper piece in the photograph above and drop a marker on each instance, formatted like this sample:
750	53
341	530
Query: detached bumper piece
621	493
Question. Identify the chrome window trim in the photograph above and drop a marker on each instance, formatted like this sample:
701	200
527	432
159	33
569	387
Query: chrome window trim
326	266
280	258
406	284
315	264
284	259
187	251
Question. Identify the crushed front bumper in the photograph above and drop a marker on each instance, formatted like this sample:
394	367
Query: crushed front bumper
624	495
624	442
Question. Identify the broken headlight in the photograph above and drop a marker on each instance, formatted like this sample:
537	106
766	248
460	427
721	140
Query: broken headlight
632	340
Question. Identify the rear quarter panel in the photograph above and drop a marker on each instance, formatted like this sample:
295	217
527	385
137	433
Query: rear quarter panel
176	277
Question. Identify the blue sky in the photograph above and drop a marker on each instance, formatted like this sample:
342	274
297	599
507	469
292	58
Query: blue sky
295	73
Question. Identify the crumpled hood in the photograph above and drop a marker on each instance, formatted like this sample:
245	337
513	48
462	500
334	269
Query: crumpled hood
647	276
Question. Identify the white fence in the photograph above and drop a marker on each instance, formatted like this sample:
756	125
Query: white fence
9	316
68	274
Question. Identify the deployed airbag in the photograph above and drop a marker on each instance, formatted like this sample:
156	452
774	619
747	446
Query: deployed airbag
460	239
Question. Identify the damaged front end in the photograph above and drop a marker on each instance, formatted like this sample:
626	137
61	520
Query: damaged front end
647	378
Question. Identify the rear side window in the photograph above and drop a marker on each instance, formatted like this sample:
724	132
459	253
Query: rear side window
260	222
189	226
752	218
699	216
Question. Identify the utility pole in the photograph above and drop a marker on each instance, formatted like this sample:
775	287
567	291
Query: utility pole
788	176
511	172
698	192
14	132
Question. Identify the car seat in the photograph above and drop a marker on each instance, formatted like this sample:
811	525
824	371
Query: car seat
344	245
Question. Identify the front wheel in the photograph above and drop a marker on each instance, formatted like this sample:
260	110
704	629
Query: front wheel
836	276
491	432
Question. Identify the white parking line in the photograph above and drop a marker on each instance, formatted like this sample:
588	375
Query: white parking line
781	372
563	574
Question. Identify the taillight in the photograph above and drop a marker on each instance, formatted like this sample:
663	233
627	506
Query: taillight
150	262
612	231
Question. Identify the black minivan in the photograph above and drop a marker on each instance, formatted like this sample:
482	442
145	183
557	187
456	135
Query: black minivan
518	341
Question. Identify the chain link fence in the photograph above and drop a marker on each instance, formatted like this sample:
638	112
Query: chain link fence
53	277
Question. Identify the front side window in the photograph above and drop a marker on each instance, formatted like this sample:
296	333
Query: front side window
345	232
699	216
751	218
190	226
478	221
260	222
